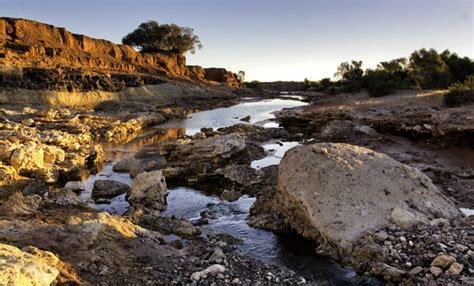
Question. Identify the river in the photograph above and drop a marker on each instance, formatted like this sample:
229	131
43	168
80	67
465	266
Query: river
287	250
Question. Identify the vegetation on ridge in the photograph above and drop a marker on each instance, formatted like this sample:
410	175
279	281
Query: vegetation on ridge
152	37
424	69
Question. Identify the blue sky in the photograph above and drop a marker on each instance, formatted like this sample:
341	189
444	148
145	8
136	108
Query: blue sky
275	39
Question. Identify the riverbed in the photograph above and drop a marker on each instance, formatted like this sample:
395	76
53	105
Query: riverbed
285	250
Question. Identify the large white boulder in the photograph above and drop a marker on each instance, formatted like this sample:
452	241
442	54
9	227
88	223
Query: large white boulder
336	192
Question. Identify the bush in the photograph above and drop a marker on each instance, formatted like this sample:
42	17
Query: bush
382	88
153	37
460	93
252	84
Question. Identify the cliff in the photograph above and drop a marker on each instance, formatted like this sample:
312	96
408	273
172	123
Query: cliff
33	53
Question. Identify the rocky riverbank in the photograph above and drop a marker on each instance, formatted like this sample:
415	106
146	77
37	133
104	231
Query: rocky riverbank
317	193
48	214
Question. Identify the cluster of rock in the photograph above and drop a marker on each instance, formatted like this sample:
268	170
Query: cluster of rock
51	146
444	127
91	64
440	252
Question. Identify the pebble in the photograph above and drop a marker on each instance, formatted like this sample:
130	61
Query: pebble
461	248
455	269
415	271
443	261
381	235
436	271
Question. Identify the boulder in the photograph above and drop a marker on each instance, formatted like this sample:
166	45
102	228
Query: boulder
201	158
27	157
246	118
230	195
108	189
367	130
53	154
64	197
18	204
125	164
338	130
211	270
149	189
75	186
334	193
21	268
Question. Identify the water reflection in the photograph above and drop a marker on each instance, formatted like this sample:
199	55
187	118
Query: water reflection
228	116
148	140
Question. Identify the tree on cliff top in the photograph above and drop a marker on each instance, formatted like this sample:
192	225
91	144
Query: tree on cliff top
153	37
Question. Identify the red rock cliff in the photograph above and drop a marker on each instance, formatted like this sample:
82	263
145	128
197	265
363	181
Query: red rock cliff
26	43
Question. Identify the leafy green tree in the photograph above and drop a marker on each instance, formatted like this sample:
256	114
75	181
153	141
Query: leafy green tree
350	74
153	37
428	70
460	68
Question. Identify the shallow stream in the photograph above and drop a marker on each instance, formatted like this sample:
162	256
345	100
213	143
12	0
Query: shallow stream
289	251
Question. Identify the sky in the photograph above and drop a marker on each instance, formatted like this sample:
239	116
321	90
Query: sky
274	39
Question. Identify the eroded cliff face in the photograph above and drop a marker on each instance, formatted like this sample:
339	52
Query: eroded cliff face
39	56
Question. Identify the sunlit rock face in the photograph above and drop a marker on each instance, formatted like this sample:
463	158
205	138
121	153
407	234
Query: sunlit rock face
23	268
72	62
334	192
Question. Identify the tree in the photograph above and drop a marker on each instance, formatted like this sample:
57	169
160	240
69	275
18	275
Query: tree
351	75
428	70
460	68
153	37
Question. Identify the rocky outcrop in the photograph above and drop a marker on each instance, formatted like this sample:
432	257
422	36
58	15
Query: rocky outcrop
221	75
22	268
405	114
25	40
334	193
222	159
40	56
197	73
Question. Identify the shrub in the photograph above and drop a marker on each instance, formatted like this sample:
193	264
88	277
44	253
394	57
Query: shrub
460	93
153	37
382	88
252	84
